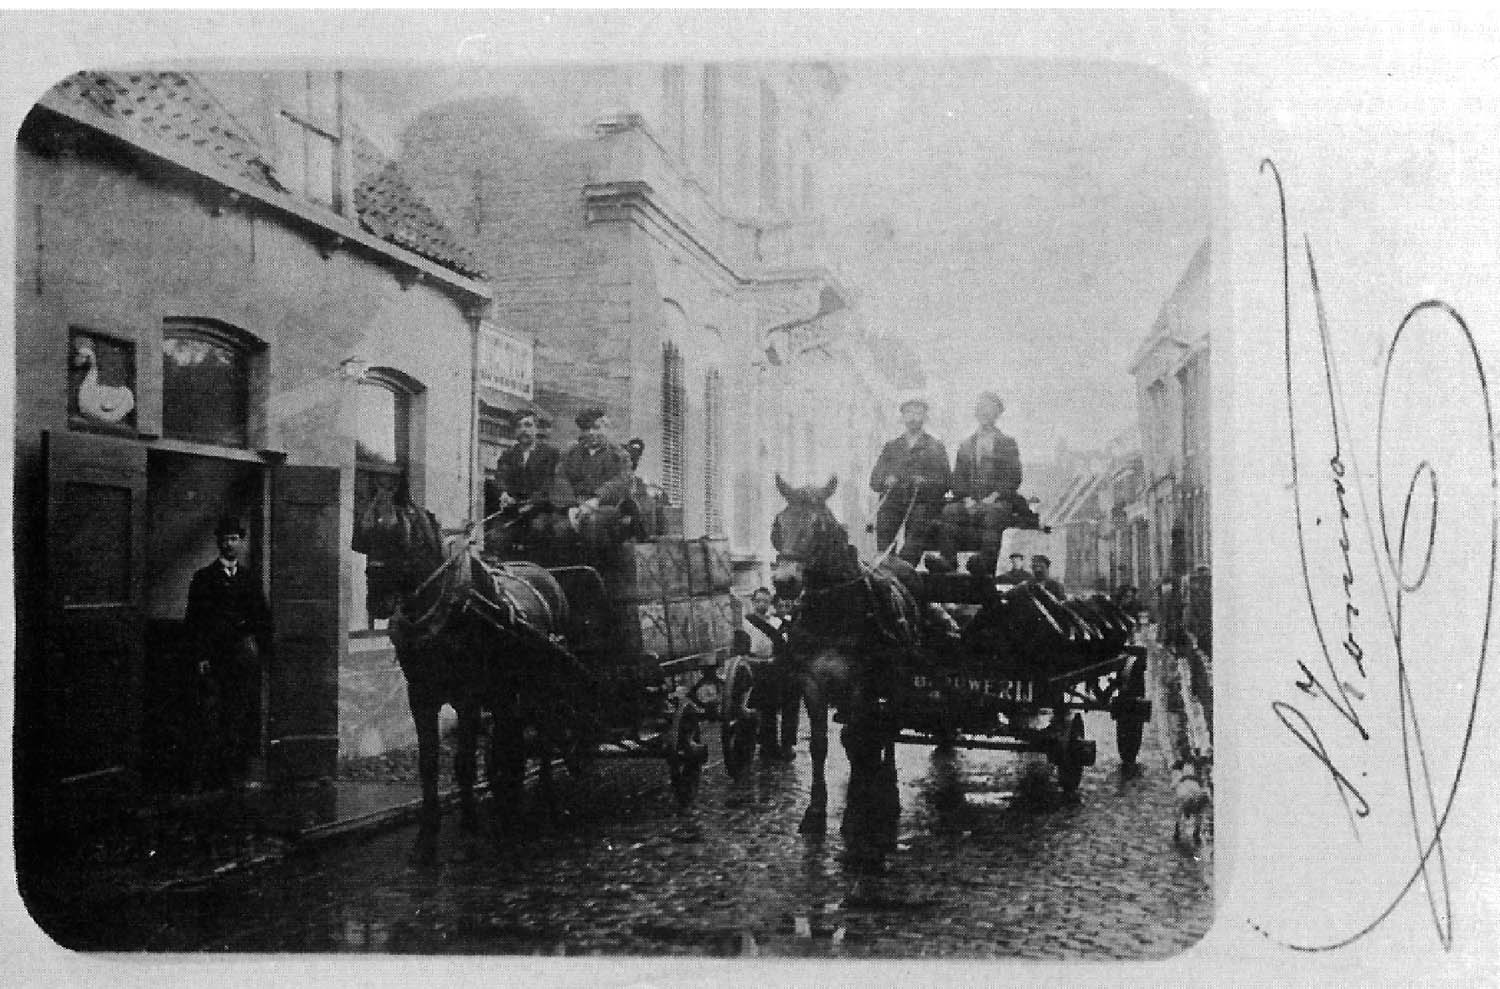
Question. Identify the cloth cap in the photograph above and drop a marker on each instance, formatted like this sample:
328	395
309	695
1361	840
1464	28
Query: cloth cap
1040	558
588	417
911	400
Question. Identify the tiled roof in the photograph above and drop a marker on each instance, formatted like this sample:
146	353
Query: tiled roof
166	109
174	113
390	210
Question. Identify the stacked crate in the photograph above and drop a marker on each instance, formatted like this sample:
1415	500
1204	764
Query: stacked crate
673	596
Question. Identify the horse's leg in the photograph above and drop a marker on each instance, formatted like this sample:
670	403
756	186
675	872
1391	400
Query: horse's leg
465	762
507	762
815	819
424	712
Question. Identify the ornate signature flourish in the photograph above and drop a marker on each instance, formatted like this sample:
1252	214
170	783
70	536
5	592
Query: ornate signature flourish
1428	807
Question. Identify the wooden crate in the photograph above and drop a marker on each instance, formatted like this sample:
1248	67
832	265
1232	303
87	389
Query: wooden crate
674	629
668	569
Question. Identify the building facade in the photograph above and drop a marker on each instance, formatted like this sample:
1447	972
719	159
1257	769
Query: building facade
654	229
1171	369
229	301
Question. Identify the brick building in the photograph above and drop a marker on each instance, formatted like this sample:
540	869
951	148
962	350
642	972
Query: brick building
654	229
1171	369
228	301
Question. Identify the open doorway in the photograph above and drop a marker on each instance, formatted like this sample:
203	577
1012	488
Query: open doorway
187	734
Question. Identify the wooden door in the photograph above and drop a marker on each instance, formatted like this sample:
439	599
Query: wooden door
93	647
305	563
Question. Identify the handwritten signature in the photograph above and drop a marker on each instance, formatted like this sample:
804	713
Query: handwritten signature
1342	682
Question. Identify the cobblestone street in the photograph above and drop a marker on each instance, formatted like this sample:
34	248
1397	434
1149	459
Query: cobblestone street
992	861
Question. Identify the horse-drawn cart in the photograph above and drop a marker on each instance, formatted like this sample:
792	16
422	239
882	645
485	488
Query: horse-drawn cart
574	661
954	659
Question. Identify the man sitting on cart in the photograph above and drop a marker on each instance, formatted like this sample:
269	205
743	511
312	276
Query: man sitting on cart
522	489
1041	567
986	477
911	477
593	477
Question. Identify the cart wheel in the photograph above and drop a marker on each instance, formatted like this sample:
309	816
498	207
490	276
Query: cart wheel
739	723
1070	760
1128	733
686	753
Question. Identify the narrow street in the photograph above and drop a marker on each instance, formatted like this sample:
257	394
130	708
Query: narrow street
992	861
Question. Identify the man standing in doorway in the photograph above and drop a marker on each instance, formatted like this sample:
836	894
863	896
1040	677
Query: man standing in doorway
911	476
229	623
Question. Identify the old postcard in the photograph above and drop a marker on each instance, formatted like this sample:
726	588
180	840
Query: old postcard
600	496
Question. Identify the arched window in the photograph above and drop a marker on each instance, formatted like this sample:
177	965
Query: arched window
206	375
382	450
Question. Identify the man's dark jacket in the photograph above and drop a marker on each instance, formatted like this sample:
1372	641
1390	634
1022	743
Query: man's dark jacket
529	481
998	470
221	608
584	472
926	459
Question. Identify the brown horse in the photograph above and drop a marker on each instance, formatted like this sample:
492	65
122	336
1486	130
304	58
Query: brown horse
472	635
850	628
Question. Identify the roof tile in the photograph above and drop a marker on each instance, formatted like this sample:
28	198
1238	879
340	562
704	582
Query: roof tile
173	110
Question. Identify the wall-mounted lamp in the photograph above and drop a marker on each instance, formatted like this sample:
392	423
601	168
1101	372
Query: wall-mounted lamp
354	368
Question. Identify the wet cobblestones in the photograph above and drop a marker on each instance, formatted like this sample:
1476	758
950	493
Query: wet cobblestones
992	861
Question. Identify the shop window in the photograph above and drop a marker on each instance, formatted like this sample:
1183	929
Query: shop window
206	376
101	383
382	450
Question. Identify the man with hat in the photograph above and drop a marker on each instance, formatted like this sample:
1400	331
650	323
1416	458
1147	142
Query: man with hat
1040	567
911	476
523	483
586	472
986	476
1017	574
229	624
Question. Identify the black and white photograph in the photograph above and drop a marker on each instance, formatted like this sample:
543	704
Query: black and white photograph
634	494
750	508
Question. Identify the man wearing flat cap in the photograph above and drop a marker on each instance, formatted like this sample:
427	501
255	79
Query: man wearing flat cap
986	476
1041	567
229	624
1017	574
911	476
522	487
594	475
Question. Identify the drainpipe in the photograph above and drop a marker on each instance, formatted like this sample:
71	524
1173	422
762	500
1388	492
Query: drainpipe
476	503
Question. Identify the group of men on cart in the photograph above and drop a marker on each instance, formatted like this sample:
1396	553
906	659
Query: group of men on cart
913	479
546	503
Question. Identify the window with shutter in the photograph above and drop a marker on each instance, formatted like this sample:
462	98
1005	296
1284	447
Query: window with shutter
713	430
673	423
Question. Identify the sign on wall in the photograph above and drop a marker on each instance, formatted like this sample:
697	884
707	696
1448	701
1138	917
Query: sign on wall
506	361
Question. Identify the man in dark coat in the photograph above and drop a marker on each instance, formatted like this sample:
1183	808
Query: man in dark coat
1041	567
230	626
523	484
594	477
911	476
1017	574
986	477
